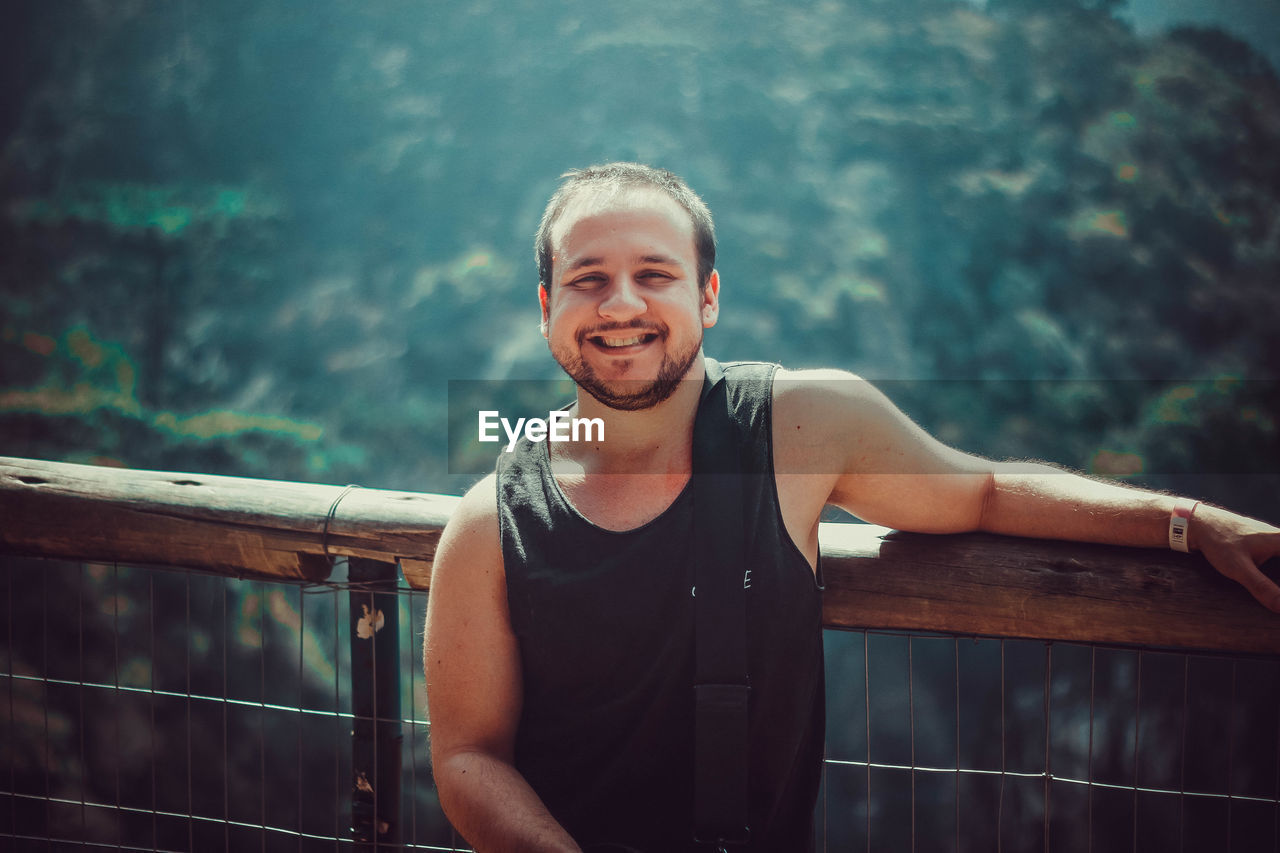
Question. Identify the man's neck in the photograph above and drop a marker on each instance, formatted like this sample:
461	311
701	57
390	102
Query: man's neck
656	440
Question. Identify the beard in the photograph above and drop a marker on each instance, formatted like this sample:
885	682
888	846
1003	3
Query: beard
629	395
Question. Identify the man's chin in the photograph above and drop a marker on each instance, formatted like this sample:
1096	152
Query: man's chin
630	395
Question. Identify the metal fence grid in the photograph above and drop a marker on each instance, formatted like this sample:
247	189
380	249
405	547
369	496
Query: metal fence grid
162	710
159	710
950	743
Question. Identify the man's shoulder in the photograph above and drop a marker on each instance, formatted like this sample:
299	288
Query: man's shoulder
478	510
826	407
823	387
470	549
817	375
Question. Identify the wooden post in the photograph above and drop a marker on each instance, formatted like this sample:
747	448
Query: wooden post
375	705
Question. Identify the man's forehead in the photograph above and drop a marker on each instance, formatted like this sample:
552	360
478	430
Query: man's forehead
590	201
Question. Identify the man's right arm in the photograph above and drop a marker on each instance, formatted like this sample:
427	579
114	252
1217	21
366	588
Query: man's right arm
474	689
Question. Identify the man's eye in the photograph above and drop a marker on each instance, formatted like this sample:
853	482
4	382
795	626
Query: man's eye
655	275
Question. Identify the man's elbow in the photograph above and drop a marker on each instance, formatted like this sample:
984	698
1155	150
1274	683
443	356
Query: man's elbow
456	759
986	500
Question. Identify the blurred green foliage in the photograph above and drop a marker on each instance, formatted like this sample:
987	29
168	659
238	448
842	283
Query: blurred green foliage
321	219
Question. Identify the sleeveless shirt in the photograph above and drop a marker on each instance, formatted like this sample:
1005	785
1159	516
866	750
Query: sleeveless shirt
605	624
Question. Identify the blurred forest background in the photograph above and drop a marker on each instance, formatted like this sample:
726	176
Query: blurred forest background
259	237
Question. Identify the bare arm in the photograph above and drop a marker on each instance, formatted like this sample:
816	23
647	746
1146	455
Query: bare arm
474	690
886	470
1046	502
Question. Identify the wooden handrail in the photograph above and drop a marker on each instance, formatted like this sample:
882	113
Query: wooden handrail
229	525
973	584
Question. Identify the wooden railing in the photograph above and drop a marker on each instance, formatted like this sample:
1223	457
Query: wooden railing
974	584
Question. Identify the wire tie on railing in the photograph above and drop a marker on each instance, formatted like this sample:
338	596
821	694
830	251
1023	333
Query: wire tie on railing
333	510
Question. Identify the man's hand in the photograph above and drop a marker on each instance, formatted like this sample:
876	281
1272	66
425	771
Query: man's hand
1237	546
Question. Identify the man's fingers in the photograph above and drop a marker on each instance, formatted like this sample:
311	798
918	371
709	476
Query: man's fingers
1240	568
1271	548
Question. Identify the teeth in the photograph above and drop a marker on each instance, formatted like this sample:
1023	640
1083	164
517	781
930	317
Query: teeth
621	342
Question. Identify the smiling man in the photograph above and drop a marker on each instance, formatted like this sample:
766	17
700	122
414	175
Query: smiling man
559	651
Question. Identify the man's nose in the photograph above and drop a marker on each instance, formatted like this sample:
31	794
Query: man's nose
622	301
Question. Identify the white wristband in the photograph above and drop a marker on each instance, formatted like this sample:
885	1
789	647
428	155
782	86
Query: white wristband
1179	521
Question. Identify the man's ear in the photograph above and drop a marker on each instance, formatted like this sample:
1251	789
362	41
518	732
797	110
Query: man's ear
542	302
711	300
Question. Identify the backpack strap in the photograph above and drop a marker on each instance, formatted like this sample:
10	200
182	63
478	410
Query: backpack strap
721	682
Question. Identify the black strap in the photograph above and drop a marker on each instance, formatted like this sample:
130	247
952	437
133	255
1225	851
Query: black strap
721	681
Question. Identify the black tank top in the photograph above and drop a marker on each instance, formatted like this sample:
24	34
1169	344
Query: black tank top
604	622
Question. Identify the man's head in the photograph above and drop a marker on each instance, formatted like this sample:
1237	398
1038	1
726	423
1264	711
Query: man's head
625	298
618	177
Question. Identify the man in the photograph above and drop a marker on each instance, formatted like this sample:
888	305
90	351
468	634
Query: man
558	649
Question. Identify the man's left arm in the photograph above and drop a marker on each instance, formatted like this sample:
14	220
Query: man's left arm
864	455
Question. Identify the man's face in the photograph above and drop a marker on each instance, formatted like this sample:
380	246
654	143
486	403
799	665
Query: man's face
624	314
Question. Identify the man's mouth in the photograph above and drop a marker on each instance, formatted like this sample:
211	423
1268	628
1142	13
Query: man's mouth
613	342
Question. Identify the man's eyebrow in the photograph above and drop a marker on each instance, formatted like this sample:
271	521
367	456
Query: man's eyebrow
659	259
584	262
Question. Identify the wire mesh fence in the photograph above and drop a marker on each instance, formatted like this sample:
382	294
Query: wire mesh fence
161	710
951	743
